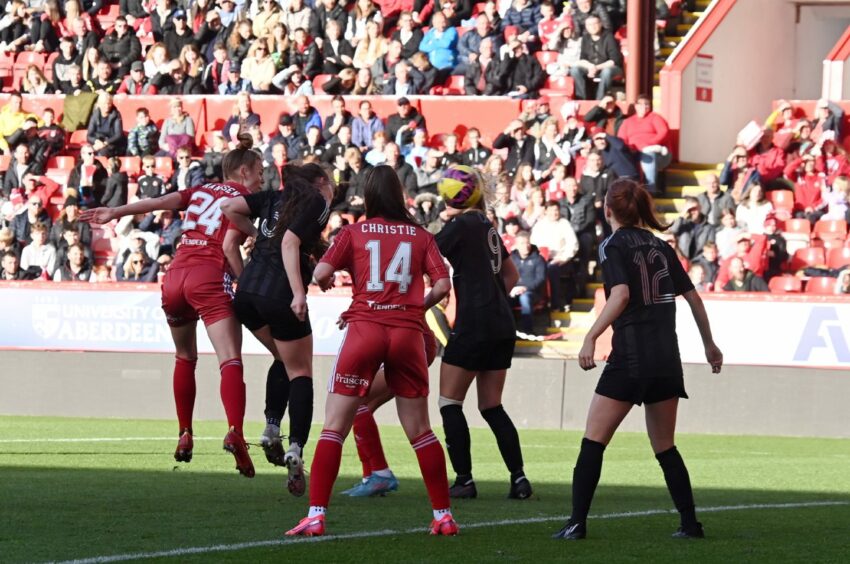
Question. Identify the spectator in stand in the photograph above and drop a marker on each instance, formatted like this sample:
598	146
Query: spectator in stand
564	41
451	151
777	249
549	24
833	160
727	235
402	82
296	85
406	115
304	53
121	47
102	79
34	82
259	68
117	185
427	210
44	27
647	134
523	185
142	139
328	10
406	173
376	155
228	12
68	57
503	206
713	201
75	84
273	172
364	11
408	34
484	75
8	243
469	44
554	188
430	172
739	175
511	229
266	18
521	74
298	15
139	268
133	10
440	44
212	32
242	117
217	71
88	178
809	187
162	18
178	129
578	209
696	273
312	145
709	263
343	83
586	9
425	74
106	131
475	154
364	126
752	212
596	180
600	58
384	67
157	61
692	230
28	136
305	117
531	285
151	185
23	223
286	135
548	150
11	269
213	157
524	15
39	252
556	234
12	117
75	268
136	82
606	115
371	48
176	82
354	195
615	155
69	220
234	84
828	117
188	173
456	11
166	226
519	145
193	63
197	12
838	200
14	34
51	133
743	280
769	161
338	118
337	52
176	38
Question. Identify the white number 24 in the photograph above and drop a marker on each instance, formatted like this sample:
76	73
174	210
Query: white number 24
204	211
397	271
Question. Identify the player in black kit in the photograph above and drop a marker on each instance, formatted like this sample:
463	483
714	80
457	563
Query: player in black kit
271	300
481	343
642	278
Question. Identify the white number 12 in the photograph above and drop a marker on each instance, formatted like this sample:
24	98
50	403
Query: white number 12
398	270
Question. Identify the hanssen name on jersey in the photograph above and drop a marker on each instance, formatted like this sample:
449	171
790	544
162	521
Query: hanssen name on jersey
382	229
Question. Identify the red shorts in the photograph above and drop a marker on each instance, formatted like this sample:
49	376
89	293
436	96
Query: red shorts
366	346
197	292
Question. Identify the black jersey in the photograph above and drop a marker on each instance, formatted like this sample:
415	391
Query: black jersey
264	274
644	342
476	253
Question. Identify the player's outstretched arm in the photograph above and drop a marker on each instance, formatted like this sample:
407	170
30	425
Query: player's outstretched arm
239	214
105	215
712	353
614	306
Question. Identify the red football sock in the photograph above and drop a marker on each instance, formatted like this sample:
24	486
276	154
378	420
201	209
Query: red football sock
233	392
184	390
325	467
432	464
368	440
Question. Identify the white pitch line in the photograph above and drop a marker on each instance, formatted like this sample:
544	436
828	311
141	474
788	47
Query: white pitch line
177	552
99	439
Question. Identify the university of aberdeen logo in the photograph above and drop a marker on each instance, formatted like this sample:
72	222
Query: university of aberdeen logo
46	319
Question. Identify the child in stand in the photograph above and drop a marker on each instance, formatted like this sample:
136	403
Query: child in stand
142	139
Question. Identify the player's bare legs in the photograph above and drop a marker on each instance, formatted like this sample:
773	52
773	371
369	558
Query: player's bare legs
661	428
226	338
297	357
183	382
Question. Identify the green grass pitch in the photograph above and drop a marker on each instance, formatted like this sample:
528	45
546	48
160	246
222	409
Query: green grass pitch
64	496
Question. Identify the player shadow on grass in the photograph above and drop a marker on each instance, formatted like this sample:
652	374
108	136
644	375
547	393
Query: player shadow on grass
65	513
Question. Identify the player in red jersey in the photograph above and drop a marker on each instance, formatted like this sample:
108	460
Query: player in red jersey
387	255
198	284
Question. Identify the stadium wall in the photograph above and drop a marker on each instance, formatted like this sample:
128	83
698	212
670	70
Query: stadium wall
540	394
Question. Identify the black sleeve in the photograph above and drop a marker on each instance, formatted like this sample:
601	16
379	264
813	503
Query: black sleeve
681	282
258	202
614	268
448	237
309	223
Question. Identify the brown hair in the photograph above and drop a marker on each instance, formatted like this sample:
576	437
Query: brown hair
300	182
243	155
632	205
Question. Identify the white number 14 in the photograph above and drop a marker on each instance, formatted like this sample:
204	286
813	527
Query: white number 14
398	270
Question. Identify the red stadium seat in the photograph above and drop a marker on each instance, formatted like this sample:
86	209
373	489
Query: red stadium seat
7	61
781	199
131	165
164	166
830	244
785	284
830	229
510	31
461	31
5	161
546	57
560	85
320	80
478	8
27	58
78	138
544	252
62	162
821	285
838	258
798	227
48	66
810	256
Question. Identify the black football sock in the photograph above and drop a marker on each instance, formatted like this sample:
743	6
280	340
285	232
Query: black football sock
586	478
679	484
300	409
277	393
506	437
457	440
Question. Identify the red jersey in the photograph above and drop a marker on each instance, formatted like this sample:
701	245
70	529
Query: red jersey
387	260
204	225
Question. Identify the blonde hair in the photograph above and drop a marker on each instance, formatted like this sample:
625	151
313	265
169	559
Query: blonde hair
239	96
841	184
6	236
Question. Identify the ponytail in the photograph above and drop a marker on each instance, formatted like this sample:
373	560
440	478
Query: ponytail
300	182
633	206
243	155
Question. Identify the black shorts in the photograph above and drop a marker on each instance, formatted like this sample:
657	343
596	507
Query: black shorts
255	312
477	356
618	385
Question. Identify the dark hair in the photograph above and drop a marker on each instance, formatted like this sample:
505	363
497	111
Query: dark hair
644	97
384	196
243	155
299	182
632	205
552	204
143	111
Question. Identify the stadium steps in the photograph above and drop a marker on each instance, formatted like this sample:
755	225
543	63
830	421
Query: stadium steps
676	33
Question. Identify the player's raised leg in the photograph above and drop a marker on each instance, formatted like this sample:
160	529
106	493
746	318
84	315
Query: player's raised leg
186	357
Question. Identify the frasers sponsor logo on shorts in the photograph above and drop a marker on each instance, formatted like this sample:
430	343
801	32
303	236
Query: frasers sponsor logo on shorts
351	381
93	324
385	307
